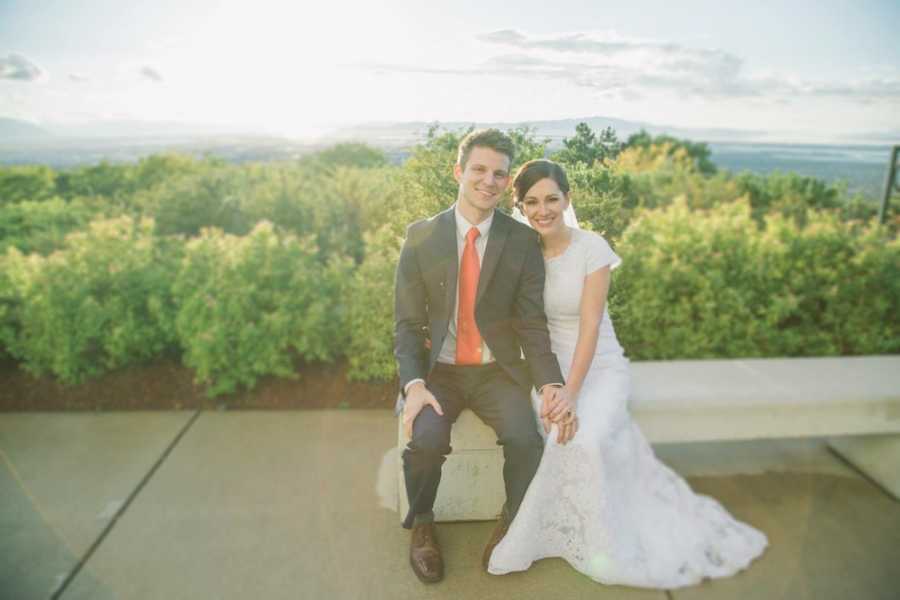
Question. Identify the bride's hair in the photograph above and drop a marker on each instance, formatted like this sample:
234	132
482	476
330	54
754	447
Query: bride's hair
535	170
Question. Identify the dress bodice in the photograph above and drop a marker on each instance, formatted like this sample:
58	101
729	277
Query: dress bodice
564	283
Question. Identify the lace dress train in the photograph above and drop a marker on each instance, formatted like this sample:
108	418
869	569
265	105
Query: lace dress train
609	507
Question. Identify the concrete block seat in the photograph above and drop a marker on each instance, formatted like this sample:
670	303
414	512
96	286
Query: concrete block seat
853	401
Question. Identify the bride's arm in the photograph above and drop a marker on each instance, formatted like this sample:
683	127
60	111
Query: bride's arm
593	303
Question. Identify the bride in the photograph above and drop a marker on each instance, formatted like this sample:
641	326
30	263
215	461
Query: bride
603	501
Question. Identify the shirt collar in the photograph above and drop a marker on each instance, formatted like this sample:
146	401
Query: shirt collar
463	225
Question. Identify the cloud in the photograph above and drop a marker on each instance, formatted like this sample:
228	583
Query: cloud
150	73
78	78
613	65
15	66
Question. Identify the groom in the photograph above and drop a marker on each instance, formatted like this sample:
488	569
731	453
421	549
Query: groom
470	284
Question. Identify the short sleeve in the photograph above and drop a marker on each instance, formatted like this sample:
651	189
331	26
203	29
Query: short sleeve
598	254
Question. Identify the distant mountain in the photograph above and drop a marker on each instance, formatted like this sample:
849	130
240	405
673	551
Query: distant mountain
130	129
18	131
14	130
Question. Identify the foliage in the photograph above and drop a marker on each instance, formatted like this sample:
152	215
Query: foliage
371	309
698	152
603	200
100	303
789	194
704	284
118	182
10	303
211	199
528	146
587	148
351	154
18	184
248	268
41	226
247	306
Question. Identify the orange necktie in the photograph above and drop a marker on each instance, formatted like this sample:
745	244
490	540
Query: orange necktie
468	338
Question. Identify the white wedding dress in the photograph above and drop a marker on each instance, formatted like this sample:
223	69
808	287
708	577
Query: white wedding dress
604	502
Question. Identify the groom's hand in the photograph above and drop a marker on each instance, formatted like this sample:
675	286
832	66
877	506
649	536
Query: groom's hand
550	399
417	398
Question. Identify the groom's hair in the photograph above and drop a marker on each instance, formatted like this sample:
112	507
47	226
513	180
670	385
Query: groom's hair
535	170
494	139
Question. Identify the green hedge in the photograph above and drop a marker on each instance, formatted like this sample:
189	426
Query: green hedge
710	284
41	227
100	303
371	309
246	269
248	306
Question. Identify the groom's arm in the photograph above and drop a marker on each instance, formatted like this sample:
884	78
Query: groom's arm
531	324
410	315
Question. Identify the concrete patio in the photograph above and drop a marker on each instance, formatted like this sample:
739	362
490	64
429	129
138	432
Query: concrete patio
302	505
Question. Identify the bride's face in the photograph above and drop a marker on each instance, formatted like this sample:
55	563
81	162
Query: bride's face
544	205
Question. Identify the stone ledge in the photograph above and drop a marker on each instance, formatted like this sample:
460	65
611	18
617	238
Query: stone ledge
715	400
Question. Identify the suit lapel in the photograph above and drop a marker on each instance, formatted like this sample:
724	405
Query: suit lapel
496	239
446	238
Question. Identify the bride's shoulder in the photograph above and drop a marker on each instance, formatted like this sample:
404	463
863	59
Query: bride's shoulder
589	238
596	251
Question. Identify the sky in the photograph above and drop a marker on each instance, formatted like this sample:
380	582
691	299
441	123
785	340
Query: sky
828	68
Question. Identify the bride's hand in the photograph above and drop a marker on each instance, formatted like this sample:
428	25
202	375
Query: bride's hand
563	407
567	428
559	407
549	399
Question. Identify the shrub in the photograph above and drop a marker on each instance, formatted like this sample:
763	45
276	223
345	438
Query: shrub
689	284
100	303
185	205
350	154
698	153
247	303
370	318
34	183
710	284
41	227
9	303
835	288
789	194
603	200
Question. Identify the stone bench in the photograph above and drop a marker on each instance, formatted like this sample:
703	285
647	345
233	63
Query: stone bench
853	401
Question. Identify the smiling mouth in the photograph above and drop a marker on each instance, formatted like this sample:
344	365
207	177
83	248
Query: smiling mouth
544	222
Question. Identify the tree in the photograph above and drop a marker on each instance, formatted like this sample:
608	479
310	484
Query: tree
18	184
352	154
699	152
586	148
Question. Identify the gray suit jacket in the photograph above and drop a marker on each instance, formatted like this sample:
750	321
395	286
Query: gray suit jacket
509	303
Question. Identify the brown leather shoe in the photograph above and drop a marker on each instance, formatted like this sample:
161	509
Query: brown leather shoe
496	537
425	554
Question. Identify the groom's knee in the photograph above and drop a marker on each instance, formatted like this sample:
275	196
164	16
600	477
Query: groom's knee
431	434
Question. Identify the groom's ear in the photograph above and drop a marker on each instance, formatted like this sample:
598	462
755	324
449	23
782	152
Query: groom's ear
457	172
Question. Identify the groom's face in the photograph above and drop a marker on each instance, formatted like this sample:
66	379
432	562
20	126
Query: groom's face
483	179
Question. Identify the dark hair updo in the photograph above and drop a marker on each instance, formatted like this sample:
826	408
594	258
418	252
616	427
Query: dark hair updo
535	170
